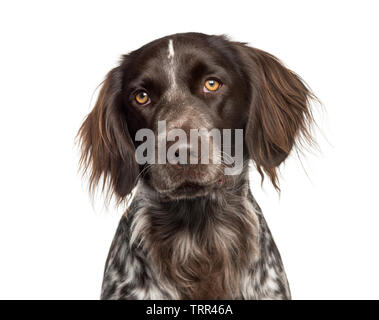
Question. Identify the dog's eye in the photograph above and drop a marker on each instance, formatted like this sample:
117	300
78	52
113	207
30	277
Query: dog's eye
211	85
142	98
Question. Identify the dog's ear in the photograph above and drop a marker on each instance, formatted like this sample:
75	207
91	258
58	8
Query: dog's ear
107	150
279	110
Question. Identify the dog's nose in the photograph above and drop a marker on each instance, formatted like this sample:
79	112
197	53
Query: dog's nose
183	154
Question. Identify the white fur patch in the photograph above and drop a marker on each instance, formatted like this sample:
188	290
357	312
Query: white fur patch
171	68
171	51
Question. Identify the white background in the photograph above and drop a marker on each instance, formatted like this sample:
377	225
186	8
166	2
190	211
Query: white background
54	242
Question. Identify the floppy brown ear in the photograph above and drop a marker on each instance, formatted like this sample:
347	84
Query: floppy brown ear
107	150
279	112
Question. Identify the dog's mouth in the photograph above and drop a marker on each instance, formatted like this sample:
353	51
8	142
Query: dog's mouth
188	190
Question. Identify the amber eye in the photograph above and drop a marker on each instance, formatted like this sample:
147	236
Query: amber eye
211	85
142	97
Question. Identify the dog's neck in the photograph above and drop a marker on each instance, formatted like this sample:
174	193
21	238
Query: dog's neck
201	243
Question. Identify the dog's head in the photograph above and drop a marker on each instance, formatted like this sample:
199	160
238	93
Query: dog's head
192	81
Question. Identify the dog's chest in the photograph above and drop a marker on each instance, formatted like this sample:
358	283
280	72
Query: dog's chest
175	265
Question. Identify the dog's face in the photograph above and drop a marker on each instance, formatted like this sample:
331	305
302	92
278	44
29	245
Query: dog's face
189	84
192	81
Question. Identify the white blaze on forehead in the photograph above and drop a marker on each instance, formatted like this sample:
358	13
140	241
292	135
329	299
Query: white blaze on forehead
171	67
170	49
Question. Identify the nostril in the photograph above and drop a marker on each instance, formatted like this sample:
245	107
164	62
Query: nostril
183	154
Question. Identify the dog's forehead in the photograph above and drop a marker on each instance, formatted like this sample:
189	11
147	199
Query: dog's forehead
173	48
169	59
164	62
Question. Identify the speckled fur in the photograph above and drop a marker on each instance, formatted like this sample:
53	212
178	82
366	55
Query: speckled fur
131	273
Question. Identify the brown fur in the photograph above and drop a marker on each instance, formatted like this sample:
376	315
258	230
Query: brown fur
107	150
199	242
280	115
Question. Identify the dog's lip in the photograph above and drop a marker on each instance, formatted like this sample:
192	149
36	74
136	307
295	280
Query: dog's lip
191	185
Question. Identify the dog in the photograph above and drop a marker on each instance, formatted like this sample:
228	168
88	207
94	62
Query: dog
191	231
